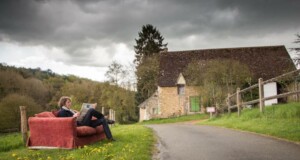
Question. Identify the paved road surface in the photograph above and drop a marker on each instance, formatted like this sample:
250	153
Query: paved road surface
194	142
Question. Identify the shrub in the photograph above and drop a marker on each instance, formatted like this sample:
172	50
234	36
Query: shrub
10	112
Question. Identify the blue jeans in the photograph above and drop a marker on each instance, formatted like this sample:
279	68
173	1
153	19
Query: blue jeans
87	121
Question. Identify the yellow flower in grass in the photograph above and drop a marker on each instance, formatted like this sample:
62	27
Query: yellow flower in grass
110	144
14	154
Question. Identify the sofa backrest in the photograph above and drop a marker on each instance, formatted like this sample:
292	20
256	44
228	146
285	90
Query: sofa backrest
45	114
55	112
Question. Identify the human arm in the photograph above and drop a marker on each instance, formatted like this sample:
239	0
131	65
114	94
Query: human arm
65	113
76	114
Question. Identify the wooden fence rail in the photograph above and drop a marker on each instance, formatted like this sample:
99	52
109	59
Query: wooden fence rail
281	76
281	95
239	102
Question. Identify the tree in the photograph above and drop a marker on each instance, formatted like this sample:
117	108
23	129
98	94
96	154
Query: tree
120	100
147	74
10	112
129	80
223	77
217	78
150	42
147	48
42	93
195	72
115	72
297	49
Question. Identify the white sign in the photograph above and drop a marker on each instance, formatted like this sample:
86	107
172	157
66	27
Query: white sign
270	89
210	109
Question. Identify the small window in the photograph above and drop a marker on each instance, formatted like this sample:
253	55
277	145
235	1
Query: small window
180	89
154	110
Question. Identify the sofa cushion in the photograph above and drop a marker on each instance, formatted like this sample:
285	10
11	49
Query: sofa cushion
44	114
85	131
99	129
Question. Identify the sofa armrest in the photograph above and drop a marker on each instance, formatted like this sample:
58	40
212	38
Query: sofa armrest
52	132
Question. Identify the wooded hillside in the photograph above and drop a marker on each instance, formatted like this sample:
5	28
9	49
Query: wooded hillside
40	90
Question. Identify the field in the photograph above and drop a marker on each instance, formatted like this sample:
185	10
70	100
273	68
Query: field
282	121
134	142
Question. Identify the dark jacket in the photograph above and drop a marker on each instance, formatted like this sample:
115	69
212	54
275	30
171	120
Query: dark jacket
65	113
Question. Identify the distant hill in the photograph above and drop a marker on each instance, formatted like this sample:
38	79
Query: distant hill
40	90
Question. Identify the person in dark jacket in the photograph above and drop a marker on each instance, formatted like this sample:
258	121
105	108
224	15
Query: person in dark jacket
65	104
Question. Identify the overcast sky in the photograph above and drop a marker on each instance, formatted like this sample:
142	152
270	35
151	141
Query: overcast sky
82	37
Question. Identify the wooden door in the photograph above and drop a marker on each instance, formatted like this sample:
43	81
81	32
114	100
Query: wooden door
195	104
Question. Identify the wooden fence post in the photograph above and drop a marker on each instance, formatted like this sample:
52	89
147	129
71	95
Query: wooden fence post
102	111
296	89
114	118
238	100
217	107
110	114
261	95
23	123
228	103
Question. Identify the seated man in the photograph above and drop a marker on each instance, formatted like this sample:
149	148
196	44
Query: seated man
65	104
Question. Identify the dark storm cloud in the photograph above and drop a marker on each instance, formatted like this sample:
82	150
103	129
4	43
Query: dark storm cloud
232	17
78	26
265	15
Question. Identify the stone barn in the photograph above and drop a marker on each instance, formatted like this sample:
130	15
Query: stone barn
175	96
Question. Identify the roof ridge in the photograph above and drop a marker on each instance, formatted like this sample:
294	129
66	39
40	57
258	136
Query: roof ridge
227	48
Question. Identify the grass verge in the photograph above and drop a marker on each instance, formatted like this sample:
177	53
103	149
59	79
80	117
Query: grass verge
134	142
176	119
281	121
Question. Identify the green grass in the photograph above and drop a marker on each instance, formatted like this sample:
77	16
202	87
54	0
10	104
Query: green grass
176	119
10	141
134	142
281	121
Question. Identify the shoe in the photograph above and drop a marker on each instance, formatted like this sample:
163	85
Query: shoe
110	121
112	140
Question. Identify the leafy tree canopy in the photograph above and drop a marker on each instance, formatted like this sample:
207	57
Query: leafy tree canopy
297	49
147	48
147	74
217	78
115	72
40	90
150	42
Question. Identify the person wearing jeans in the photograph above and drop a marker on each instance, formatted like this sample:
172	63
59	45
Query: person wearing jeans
87	121
65	104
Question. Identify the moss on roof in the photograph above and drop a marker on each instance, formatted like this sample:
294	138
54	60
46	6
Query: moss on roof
264	62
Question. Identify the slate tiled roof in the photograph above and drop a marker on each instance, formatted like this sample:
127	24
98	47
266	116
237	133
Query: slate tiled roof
265	62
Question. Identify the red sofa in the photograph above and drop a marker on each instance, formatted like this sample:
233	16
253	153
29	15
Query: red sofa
49	131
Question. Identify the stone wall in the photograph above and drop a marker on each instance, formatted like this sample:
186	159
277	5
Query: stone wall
143	114
149	108
171	104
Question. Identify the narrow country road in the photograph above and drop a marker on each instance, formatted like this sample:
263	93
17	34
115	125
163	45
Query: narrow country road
195	142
